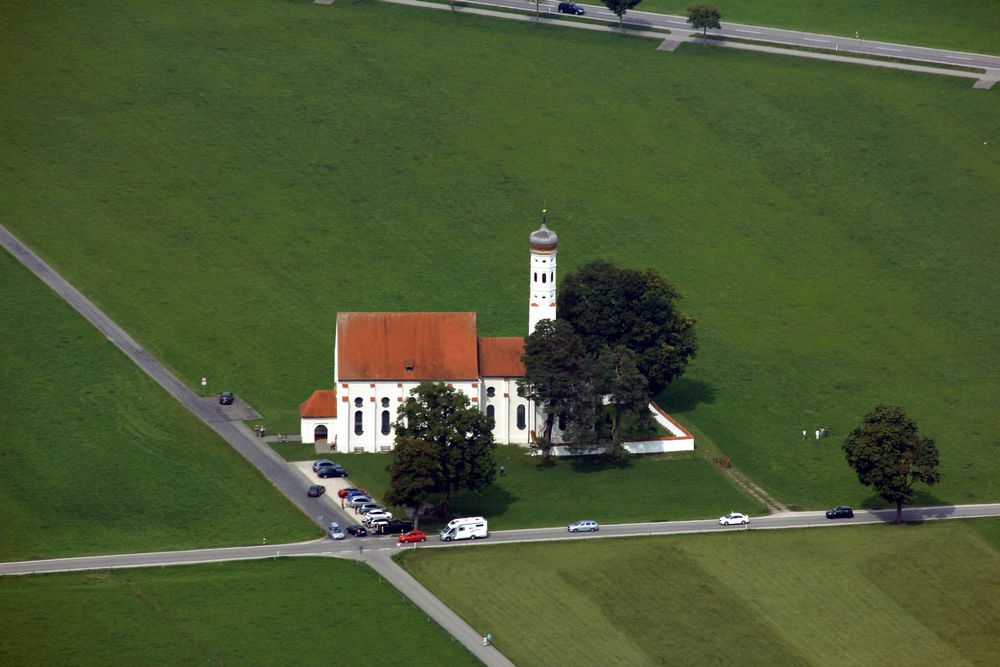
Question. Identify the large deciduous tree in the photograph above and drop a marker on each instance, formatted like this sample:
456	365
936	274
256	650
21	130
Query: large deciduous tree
413	474
619	7
609	306
703	17
620	380
461	435
889	456
557	375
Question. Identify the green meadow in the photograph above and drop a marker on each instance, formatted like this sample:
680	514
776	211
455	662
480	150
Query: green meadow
966	25
655	487
224	177
274	612
871	595
98	459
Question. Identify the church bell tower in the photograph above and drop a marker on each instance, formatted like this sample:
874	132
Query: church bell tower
542	300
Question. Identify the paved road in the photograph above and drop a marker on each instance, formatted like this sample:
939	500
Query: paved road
378	549
284	477
774	35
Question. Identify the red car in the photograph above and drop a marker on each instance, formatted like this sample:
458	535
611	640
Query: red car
342	493
413	536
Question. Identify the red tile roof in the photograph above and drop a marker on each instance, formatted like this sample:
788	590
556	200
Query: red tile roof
406	346
501	357
322	403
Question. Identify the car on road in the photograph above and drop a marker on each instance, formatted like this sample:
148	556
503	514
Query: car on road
343	493
226	398
336	532
315	491
413	536
734	518
394	526
583	526
357	531
571	8
324	463
330	471
840	512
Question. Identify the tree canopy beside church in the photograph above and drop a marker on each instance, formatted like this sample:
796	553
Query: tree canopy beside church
609	306
461	435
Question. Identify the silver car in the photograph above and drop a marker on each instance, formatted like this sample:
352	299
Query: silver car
336	532
583	526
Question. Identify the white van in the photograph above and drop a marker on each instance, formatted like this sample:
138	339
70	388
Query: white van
468	528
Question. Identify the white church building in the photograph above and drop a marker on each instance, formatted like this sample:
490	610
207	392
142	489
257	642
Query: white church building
379	358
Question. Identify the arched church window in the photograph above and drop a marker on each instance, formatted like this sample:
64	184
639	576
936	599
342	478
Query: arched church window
552	276
491	392
385	402
358	402
544	277
521	423
385	421
490	412
536	276
358	422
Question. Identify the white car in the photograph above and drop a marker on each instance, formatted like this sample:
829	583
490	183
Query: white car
358	501
375	515
734	518
584	525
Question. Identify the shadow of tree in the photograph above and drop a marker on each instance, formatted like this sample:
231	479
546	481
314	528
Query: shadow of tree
686	394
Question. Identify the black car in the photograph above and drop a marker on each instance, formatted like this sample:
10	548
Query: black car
315	491
331	471
226	398
357	531
571	8
325	463
842	512
395	526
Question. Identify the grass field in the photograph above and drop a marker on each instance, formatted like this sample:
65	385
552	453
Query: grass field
646	488
874	595
98	459
280	612
224	177
968	25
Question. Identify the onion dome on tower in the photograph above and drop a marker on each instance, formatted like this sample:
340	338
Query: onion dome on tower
542	300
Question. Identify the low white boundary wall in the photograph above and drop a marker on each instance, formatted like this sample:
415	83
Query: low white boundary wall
679	440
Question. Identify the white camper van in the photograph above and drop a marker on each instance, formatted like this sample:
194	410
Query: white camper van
468	528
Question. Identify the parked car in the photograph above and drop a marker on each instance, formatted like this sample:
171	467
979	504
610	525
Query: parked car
841	512
357	531
330	471
368	507
394	526
734	518
358	500
357	492
376	525
413	536
343	493
583	525
571	8
377	514
226	398
315	491
336	532
323	463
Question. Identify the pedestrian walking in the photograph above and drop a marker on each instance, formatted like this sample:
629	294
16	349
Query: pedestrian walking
503	471
817	434
803	434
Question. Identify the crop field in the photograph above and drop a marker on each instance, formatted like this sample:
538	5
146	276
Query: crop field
664	487
223	177
98	459
965	25
871	595
275	612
